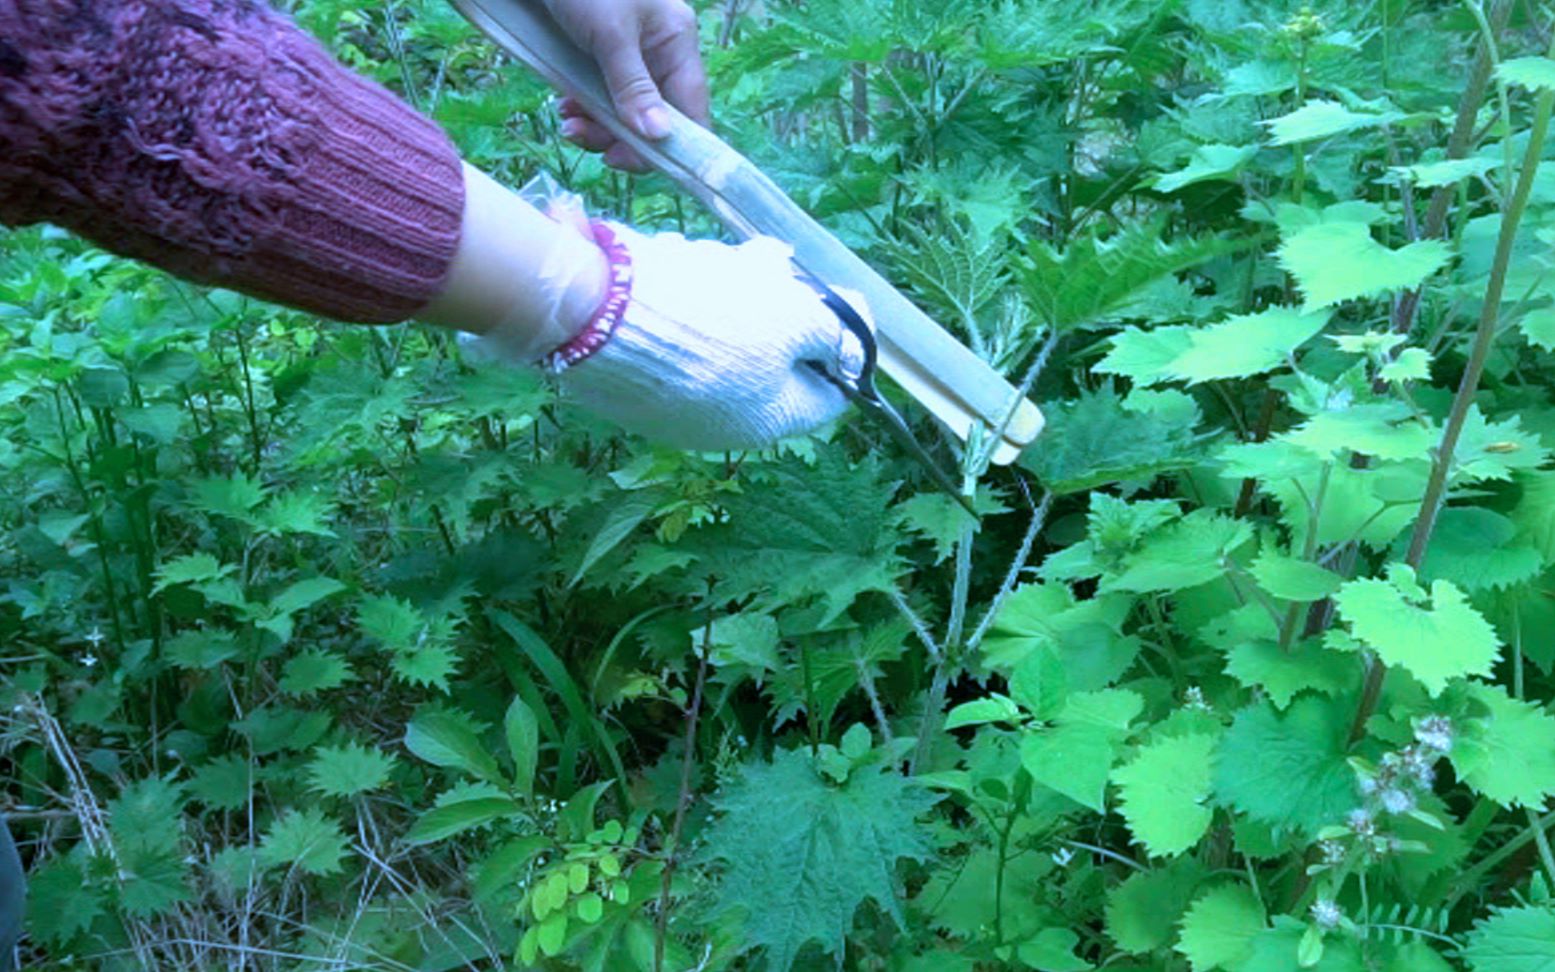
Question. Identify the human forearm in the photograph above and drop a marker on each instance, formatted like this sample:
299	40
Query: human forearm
519	276
220	142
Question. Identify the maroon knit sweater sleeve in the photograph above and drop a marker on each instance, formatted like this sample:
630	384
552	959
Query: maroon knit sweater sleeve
216	140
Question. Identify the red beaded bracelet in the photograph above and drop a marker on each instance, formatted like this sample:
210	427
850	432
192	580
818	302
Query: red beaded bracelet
617	294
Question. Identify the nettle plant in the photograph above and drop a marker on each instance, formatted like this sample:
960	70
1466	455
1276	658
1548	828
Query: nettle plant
325	646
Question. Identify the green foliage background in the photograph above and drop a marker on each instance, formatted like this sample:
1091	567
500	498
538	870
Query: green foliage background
323	648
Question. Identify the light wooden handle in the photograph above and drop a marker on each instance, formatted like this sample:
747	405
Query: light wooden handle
959	388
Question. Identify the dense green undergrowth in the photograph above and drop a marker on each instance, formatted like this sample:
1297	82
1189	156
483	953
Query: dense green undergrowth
326	650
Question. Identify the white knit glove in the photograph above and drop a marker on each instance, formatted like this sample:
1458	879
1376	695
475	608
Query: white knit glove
713	348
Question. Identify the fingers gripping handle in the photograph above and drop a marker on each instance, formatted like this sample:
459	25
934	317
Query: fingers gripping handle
960	389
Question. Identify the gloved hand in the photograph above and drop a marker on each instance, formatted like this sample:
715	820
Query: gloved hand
705	345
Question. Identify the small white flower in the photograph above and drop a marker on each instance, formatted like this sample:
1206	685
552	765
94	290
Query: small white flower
1395	800
1325	911
1063	856
89	660
1435	732
96	637
1360	821
1332	851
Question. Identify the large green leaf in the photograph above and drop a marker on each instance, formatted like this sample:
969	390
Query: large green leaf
1339	261
1079	286
1514	940
1288	770
1240	346
799	855
1437	636
1165	792
801	532
1097	439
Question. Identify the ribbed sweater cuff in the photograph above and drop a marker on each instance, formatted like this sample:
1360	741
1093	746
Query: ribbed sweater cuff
374	208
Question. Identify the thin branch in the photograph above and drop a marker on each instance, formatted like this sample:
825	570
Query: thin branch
919	626
672	845
1039	513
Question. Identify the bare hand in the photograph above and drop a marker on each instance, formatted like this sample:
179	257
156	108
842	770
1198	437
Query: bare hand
648	52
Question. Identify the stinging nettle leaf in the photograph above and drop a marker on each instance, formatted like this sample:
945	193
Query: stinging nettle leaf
348	770
1208	163
1339	261
1164	792
799	855
1322	119
1288	769
1507	754
307	840
1534	73
1513	940
1437	638
1219	928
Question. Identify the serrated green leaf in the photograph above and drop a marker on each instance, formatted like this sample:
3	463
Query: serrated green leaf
200	649
1534	73
1412	364
232	496
1164	792
223	783
1508	754
297	512
192	568
1436	638
1219	928
432	665
1092	277
1208	163
1495	450
1143	911
801	533
1335	262
1430	175
799	856
308	840
1096	439
1322	119
1533	519
1513	940
61	902
1288	769
349	769
1474	548
1282	674
1073	759
1386	430
1180	555
1538	327
1237	347
1293	579
314	670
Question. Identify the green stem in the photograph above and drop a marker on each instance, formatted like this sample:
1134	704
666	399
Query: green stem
1484	337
